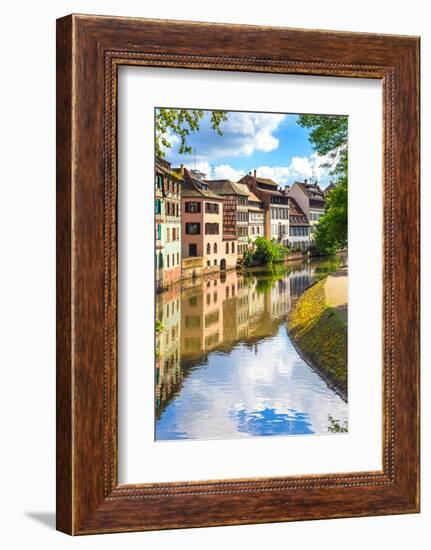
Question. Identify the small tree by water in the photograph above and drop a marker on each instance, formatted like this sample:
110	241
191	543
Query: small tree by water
265	253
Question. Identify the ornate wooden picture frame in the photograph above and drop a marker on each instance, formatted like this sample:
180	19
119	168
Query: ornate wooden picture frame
89	51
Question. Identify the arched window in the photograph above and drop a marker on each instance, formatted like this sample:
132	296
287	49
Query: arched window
233	247
208	248
227	248
215	248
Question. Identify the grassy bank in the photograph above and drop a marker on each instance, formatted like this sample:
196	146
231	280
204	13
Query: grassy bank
319	332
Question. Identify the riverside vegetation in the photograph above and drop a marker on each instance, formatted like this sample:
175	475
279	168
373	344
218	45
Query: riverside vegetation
319	331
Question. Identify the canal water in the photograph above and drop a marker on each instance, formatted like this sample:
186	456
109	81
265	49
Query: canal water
226	367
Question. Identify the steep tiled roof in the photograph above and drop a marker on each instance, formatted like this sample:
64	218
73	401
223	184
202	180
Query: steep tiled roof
312	190
252	198
196	188
164	166
267	181
296	215
227	187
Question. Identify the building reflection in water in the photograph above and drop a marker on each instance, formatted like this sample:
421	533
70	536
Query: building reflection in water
214	315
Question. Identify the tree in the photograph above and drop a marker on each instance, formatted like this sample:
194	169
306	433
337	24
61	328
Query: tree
329	137
181	122
268	252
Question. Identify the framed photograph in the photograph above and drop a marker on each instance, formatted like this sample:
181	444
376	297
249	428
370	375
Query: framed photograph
237	274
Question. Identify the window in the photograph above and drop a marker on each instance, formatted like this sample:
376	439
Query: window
177	210
167	234
159	231
233	247
192	321
227	248
211	318
193	228
160	260
211	208
159	181
208	248
193	343
215	262
158	206
173	261
193	301
193	250
178	258
208	263
215	250
167	260
211	228
193	207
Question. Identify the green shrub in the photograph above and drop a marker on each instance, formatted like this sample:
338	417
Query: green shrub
268	252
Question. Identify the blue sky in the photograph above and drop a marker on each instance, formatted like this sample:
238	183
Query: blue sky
273	144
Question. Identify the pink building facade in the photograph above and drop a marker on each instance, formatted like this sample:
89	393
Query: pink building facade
202	229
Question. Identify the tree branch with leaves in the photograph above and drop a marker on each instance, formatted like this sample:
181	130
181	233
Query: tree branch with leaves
181	123
329	138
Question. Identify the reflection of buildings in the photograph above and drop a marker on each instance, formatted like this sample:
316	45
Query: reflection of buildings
280	298
168	362
299	280
215	313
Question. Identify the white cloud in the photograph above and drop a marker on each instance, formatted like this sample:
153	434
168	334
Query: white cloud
245	133
300	168
225	171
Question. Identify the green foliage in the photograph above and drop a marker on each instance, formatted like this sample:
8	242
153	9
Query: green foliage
159	329
247	258
159	326
329	137
328	134
331	231
268	252
266	282
181	122
335	426
321	334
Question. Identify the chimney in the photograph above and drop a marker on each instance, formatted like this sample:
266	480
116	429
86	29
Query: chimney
305	180
254	173
182	169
